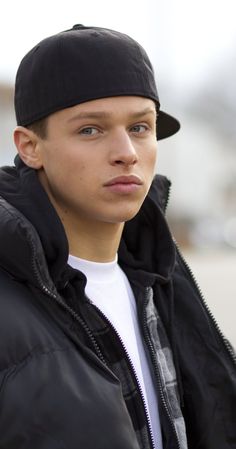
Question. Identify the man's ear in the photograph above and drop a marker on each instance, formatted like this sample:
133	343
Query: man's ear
27	144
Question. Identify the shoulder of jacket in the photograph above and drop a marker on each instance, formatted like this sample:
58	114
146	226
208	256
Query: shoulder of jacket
21	252
25	329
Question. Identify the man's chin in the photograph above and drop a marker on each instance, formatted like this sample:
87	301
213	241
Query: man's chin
123	218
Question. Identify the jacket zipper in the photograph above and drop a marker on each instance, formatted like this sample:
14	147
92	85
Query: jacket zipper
67	308
132	368
58	299
156	368
227	345
230	351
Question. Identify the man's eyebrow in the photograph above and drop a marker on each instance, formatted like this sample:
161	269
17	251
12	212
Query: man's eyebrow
105	114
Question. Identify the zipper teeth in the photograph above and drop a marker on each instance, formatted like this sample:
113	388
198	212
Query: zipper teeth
79	320
133	370
159	382
227	345
59	300
168	197
88	331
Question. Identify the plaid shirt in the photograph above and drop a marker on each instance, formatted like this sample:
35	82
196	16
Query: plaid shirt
117	358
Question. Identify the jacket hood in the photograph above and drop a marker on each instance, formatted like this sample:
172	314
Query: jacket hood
29	222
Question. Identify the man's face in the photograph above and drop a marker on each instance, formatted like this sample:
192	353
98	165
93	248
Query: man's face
98	160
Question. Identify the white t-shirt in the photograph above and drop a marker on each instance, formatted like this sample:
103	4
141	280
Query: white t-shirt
109	289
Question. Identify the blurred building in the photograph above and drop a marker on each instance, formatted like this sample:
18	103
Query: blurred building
7	124
201	160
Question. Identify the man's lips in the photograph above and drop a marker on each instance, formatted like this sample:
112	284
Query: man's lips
124	185
129	179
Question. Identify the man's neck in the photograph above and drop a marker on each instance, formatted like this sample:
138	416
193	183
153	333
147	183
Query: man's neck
90	240
97	242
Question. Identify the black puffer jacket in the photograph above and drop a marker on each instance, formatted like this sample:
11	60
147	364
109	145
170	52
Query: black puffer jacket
55	390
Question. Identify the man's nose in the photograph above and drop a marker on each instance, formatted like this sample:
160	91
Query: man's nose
123	150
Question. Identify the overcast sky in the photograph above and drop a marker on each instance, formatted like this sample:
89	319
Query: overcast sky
185	39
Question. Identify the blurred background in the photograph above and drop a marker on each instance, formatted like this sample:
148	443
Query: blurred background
192	46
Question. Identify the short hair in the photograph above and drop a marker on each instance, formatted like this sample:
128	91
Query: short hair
39	127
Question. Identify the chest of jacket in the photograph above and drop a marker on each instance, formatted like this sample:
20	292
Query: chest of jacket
53	393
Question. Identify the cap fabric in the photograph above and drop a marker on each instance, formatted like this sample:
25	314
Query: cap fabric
83	64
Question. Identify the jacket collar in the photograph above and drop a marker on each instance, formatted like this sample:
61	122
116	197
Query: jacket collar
146	247
20	186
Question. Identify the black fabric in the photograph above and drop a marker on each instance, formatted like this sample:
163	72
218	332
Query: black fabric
82	64
52	393
20	186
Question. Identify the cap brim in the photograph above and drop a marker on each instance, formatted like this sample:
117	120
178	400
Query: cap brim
166	125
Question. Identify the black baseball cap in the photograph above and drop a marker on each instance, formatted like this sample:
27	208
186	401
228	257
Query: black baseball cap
83	64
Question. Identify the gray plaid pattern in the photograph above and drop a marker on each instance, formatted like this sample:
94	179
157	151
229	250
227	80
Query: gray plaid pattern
115	358
166	368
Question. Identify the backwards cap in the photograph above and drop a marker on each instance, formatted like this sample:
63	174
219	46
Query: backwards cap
83	64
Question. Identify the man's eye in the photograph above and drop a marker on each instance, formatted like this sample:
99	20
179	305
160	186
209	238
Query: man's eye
88	131
139	129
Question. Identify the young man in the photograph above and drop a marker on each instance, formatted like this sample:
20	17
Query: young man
105	339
